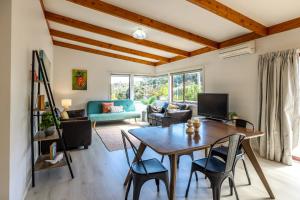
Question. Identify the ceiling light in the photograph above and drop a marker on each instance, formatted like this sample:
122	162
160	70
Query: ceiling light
139	34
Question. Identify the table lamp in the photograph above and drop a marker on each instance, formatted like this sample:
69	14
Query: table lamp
66	103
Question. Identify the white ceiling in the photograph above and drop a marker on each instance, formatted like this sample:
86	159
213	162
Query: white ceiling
267	12
179	13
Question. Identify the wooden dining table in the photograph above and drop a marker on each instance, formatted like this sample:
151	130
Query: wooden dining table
174	141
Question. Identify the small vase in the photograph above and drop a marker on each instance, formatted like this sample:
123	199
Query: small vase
49	131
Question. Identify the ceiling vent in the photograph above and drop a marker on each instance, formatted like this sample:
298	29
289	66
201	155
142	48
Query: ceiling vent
238	50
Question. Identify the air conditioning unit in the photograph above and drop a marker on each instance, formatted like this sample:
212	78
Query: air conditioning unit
238	50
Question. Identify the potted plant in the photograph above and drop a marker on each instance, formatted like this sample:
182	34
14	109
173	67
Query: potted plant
47	123
232	115
147	102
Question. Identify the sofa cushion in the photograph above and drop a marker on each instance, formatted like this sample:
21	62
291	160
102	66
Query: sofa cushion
177	113
116	109
173	107
106	106
114	116
156	115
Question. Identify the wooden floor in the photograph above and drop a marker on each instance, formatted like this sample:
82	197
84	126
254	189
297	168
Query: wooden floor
99	174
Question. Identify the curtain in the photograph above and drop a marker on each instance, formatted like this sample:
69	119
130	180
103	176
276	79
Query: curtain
278	75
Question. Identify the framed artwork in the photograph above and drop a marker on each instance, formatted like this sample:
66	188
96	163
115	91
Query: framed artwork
79	79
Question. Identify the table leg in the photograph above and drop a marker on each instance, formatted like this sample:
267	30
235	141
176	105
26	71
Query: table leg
249	151
173	176
140	152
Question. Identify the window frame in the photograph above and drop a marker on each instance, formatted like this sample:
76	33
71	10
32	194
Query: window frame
183	93
120	74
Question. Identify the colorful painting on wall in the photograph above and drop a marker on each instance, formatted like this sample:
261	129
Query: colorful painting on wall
79	79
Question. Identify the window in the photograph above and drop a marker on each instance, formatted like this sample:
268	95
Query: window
186	86
119	86
147	86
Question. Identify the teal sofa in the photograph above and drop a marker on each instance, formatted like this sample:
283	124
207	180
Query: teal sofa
94	111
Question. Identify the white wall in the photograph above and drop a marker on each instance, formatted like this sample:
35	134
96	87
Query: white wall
236	76
29	32
5	47
99	70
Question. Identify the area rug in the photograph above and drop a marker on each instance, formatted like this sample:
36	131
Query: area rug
110	134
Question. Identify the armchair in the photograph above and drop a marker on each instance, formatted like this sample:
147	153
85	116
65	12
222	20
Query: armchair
160	116
76	132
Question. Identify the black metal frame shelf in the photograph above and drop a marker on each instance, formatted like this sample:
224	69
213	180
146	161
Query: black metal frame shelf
36	134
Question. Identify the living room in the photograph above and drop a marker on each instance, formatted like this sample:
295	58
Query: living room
153	60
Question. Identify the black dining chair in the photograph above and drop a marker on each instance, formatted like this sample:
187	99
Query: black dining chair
222	150
143	170
217	170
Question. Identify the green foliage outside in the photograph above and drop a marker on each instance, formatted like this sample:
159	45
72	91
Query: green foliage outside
149	101
145	87
188	84
185	87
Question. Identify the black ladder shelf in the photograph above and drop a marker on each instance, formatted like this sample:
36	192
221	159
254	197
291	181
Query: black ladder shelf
36	134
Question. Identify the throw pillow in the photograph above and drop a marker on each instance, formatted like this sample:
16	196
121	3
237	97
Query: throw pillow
116	109
172	107
106	106
165	105
64	115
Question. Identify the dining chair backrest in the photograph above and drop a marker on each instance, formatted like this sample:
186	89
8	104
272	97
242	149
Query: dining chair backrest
125	138
234	141
233	146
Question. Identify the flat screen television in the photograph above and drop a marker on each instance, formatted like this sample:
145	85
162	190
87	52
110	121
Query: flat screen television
213	105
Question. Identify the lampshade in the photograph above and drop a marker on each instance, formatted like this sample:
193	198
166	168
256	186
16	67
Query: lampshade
66	103
139	34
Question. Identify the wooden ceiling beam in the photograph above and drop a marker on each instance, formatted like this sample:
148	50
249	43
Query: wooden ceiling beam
284	26
192	53
231	15
44	10
240	39
146	21
101	44
200	51
103	53
110	33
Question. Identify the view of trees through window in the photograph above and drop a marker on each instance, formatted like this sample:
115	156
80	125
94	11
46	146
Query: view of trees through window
146	87
186	86
120	87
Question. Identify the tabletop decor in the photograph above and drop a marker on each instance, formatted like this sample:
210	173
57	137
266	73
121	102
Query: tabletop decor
196	124
190	129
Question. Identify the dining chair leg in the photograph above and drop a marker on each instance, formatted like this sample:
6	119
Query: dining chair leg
157	184
189	183
137	186
235	191
216	189
247	173
165	179
230	186
192	156
128	187
162	159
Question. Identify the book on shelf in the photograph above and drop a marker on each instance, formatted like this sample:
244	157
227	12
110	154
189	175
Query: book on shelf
53	151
